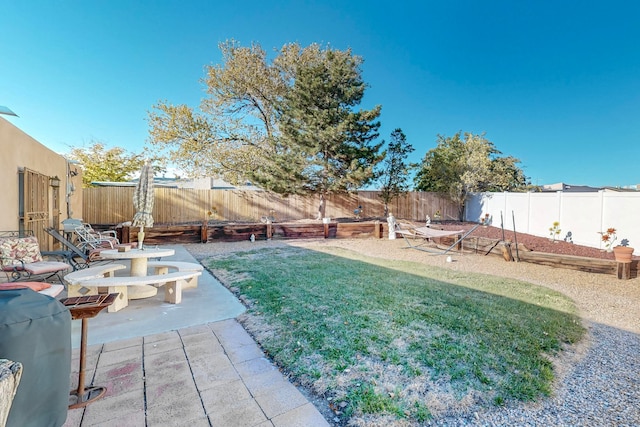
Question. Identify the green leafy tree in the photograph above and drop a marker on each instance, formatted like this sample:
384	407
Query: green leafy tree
507	176
106	164
238	132
229	135
114	164
232	133
467	163
328	142
395	171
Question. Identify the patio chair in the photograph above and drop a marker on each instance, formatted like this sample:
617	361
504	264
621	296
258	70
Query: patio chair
21	259
89	239
74	256
426	234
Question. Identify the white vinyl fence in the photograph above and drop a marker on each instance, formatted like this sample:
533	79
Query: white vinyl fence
583	215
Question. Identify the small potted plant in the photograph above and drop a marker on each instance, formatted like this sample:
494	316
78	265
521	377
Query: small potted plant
623	252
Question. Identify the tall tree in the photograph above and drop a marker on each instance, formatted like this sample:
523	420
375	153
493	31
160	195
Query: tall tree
288	125
467	163
229	136
329	142
395	171
106	164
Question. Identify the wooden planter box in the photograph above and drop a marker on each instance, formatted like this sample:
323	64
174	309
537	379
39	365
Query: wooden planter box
202	233
507	250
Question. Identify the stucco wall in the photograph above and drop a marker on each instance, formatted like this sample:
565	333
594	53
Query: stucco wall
19	150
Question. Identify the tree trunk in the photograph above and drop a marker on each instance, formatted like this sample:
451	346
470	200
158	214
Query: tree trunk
461	212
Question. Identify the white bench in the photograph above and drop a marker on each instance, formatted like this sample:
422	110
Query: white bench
173	284
76	279
162	267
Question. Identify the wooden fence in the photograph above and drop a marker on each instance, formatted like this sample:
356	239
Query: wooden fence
113	205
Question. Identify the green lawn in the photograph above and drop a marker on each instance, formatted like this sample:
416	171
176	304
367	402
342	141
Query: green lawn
399	339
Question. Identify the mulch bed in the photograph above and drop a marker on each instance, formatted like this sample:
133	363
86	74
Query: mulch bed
531	242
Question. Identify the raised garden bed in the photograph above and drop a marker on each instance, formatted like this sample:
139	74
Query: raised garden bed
512	252
229	232
232	232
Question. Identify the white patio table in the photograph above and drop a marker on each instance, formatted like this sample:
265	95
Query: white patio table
139	261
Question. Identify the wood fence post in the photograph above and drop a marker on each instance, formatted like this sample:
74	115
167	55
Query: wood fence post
204	232
269	230
623	270
125	236
376	229
326	231
506	251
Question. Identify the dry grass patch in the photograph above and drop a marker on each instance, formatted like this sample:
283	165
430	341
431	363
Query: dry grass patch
385	340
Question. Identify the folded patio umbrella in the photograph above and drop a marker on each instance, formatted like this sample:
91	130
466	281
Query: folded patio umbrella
143	202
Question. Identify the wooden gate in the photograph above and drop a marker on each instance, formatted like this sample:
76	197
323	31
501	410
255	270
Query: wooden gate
34	204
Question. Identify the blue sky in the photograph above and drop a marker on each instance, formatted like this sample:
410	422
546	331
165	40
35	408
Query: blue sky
553	83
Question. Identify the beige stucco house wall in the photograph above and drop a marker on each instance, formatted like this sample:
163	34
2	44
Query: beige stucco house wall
19	150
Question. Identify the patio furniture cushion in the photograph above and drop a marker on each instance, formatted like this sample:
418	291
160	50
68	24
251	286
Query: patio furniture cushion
16	249
21	259
43	267
40	287
36	286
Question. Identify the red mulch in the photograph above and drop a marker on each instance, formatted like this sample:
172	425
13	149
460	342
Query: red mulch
534	243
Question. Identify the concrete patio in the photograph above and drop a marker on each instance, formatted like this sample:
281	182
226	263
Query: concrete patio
186	364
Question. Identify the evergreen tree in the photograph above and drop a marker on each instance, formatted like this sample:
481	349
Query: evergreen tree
289	125
394	174
328	143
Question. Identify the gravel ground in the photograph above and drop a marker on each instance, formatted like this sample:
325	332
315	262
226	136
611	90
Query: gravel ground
599	380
